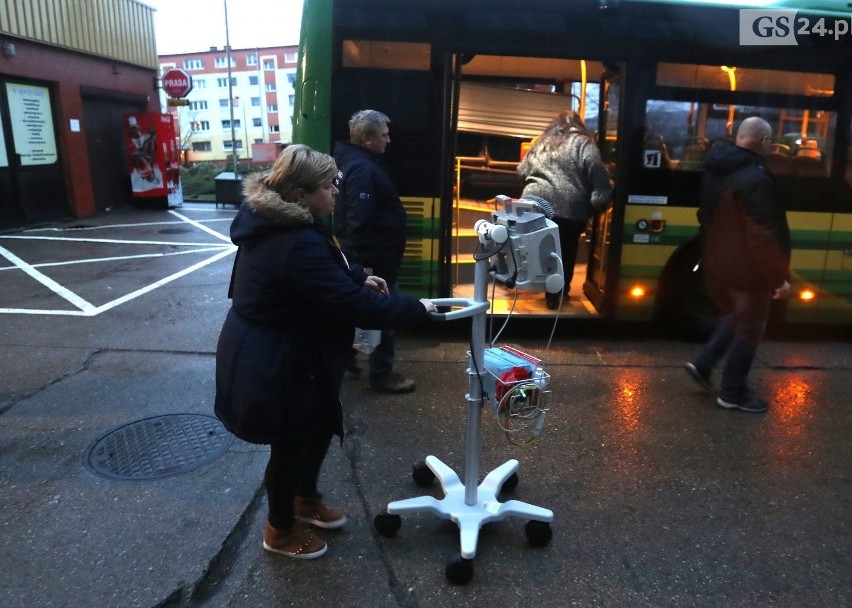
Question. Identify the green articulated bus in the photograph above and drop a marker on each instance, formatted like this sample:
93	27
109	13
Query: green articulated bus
468	84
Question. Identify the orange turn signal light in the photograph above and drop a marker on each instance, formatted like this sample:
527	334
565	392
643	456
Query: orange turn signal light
806	295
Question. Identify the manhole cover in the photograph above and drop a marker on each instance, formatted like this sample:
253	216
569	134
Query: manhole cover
173	231
158	447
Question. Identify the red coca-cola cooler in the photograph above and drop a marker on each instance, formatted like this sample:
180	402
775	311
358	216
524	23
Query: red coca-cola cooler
153	158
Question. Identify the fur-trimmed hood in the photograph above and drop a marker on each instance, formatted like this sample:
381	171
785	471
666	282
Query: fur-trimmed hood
265	212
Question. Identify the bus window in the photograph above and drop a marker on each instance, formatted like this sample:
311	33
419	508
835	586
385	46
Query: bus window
677	134
386	55
752	80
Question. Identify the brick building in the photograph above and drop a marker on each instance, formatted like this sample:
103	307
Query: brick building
69	71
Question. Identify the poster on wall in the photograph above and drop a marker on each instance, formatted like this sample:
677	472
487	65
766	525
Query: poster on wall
32	124
153	159
4	158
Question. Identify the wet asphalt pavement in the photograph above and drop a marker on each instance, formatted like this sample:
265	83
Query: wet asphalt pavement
659	497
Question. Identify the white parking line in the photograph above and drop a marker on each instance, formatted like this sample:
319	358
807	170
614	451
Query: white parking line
123	257
111	226
135	294
201	226
55	287
106	241
87	309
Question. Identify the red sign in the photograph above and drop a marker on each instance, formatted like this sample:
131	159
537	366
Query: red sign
177	83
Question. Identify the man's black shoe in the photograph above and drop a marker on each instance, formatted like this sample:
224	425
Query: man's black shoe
701	378
746	401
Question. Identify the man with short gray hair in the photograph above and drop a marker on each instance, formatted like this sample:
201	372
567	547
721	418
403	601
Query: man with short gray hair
369	222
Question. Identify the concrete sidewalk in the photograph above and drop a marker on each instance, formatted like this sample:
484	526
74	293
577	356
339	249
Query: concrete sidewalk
660	498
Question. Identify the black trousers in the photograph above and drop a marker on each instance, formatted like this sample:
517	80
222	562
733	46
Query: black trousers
293	470
569	242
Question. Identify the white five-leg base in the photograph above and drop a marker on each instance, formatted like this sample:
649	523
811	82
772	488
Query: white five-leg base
470	518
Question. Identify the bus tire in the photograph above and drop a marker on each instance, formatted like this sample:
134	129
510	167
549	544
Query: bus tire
684	306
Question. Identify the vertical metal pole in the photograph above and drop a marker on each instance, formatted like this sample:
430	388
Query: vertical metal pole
230	92
476	377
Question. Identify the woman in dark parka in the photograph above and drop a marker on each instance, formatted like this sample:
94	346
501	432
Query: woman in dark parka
284	345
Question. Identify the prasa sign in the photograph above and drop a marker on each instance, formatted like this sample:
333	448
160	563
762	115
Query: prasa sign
177	83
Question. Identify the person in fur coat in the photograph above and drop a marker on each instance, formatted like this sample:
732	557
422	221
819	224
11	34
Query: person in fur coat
285	342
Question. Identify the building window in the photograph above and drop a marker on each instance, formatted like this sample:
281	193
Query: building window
251	59
223	82
201	125
253	81
223	103
193	64
198	105
268	64
291	78
229	144
222	62
273	107
291	99
290	57
199	83
256	122
274	129
270	86
226	124
201	146
255	102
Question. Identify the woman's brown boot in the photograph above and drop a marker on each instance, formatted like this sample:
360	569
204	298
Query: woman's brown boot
296	541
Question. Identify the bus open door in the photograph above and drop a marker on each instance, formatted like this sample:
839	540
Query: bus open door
601	240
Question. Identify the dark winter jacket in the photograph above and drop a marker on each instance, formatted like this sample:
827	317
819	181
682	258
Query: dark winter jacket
285	342
369	219
572	178
746	239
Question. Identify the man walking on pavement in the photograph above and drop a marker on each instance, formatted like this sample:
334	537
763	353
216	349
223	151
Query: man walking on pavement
369	222
746	259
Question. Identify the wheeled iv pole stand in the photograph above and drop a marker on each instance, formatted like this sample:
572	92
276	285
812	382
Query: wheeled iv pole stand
468	505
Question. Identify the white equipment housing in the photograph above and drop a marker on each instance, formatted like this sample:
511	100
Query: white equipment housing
532	260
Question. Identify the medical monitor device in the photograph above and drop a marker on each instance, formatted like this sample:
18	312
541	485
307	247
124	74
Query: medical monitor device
524	244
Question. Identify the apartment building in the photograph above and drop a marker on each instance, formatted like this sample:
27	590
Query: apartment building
251	115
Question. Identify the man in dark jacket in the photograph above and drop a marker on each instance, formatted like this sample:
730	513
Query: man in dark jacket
369	223
746	259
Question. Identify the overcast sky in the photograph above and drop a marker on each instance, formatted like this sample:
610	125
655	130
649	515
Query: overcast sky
185	26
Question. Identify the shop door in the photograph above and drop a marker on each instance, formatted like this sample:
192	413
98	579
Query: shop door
32	186
107	153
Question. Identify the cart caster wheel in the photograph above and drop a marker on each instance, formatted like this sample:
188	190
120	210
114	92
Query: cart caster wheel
459	570
422	474
510	484
386	524
538	533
